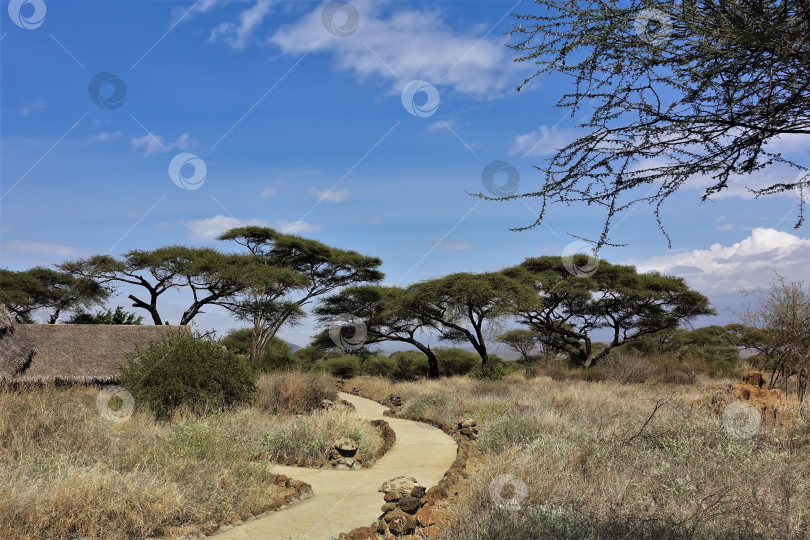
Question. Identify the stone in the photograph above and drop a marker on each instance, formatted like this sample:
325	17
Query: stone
466	423
391	496
388	507
346	447
409	504
401	485
400	523
425	516
326	404
418	492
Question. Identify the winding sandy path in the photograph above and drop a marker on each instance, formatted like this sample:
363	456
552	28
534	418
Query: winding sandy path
344	500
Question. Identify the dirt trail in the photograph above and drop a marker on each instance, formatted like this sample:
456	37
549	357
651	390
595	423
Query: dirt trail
344	500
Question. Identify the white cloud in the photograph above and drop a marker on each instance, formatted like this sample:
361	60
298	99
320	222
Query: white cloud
268	192
238	35
155	144
296	227
201	6
741	185
457	246
210	228
541	142
105	136
43	248
330	195
409	44
34	107
745	264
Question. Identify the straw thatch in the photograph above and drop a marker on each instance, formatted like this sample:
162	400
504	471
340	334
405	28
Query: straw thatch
16	350
84	353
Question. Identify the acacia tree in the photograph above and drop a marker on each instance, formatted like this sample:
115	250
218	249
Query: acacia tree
385	313
26	291
614	299
697	88
283	273
204	271
459	305
778	328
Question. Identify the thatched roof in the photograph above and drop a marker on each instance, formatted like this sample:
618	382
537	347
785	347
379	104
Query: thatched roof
84	353
16	350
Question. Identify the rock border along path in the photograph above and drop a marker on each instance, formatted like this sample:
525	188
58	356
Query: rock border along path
344	500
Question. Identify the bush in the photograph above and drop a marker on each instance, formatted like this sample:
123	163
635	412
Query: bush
278	356
380	366
454	361
183	369
409	365
493	370
294	392
344	366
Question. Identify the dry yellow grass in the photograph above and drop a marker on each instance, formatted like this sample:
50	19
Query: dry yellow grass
67	472
573	446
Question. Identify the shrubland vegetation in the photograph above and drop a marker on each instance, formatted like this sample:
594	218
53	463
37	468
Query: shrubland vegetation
67	472
593	469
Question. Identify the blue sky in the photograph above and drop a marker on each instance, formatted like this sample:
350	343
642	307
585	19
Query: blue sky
304	129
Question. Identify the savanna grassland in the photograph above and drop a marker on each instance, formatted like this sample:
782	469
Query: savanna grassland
589	459
68	472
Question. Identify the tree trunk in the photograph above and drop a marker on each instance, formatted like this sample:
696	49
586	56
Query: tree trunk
54	316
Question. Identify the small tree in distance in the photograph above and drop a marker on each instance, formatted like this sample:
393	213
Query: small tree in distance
521	340
778	328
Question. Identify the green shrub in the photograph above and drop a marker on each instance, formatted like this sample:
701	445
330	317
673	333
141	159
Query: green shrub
493	370
455	361
344	366
410	365
278	356
183	369
379	366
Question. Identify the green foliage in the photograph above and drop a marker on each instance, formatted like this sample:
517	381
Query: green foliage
277	357
119	316
345	366
455	361
183	369
573	304
43	288
410	365
494	370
